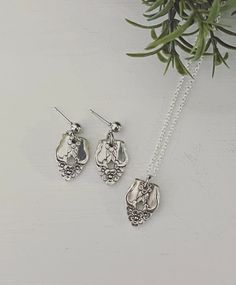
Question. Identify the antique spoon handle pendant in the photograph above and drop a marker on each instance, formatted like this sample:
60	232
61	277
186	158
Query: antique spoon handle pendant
72	153
142	200
111	156
143	196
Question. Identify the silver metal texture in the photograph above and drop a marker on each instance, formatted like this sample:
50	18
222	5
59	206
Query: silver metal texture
111	158
176	106
138	216
100	118
142	200
72	153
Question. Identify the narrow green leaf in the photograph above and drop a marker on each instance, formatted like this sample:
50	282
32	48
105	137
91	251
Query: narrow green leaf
144	54
213	65
200	43
170	37
231	33
183	47
207	45
162	12
185	42
191	33
168	64
224	60
143	26
216	24
181	67
153	34
214	11
161	57
224	44
226	56
156	4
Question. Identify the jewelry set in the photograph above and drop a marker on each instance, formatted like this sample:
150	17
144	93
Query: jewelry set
143	196
72	152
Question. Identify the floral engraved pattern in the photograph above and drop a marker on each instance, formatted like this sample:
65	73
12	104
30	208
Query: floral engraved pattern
111	176
137	217
111	159
68	172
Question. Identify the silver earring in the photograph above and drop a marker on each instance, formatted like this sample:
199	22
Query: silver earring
72	152
111	157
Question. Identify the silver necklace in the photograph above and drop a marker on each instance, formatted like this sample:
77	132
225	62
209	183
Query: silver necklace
143	197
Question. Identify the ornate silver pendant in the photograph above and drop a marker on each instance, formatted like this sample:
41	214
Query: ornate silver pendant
142	200
111	158
72	153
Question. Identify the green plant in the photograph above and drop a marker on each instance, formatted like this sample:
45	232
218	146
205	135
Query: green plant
175	23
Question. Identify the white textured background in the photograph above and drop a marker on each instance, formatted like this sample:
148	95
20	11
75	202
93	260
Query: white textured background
71	54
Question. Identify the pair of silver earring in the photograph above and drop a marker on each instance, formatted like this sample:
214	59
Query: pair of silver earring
72	153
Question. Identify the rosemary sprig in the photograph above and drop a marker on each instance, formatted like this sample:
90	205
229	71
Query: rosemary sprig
186	27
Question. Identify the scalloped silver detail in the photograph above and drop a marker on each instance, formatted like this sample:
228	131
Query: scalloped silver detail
72	154
111	159
142	200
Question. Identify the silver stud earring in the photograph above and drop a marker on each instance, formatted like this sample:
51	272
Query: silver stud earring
111	157
72	152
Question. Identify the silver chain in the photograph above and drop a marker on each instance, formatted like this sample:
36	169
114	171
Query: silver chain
176	106
178	101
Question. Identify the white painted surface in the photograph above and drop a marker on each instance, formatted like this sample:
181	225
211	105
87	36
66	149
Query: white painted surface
72	54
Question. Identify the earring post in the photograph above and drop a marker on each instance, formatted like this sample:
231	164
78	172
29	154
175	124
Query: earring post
100	117
62	114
